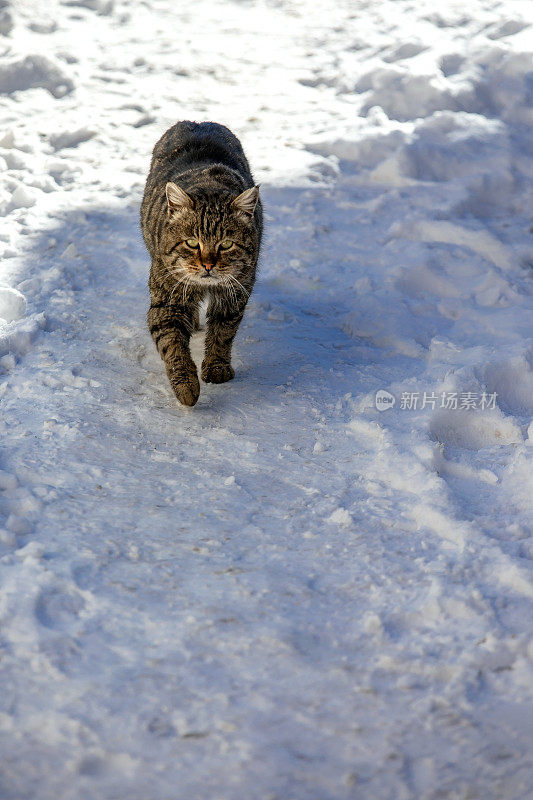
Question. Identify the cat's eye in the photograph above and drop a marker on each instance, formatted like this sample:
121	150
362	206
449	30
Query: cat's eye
192	243
225	244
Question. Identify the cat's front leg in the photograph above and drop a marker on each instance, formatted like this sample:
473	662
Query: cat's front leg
171	328
222	322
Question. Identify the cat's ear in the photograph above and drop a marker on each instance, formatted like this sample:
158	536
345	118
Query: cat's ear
177	199
247	201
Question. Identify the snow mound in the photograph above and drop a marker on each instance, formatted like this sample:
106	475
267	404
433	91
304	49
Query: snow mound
34	72
341	517
6	22
473	430
22	197
513	383
491	81
404	96
102	7
12	304
17	339
478	241
59	141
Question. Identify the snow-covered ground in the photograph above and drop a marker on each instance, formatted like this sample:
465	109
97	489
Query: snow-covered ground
285	593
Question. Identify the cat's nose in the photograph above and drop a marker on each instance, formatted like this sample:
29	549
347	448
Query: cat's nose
209	266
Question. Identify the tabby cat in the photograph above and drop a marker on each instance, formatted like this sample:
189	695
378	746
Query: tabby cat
201	220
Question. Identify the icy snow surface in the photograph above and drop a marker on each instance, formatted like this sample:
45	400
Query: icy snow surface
284	593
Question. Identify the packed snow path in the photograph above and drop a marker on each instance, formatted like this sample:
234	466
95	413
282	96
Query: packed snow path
284	592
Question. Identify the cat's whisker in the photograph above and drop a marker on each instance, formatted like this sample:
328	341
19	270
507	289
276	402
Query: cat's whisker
231	289
179	282
233	278
187	282
172	273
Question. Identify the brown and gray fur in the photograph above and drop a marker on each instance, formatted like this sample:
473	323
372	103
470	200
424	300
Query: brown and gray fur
199	189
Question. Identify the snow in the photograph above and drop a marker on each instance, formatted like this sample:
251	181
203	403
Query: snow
295	589
12	304
34	71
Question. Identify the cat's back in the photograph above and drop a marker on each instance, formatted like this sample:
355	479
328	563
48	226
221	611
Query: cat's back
189	145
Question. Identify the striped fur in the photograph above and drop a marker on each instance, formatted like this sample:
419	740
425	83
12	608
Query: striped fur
199	189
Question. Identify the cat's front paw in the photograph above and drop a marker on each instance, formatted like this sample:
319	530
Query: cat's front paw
217	372
188	393
186	386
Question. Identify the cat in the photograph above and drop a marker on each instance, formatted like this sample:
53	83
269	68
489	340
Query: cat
202	223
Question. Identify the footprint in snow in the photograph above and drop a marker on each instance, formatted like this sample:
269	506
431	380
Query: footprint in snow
57	610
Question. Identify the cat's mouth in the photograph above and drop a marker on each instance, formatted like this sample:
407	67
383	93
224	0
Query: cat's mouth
206	278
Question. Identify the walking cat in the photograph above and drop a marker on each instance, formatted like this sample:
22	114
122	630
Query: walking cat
201	220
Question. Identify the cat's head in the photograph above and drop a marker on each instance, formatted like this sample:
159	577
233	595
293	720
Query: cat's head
210	238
